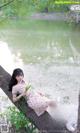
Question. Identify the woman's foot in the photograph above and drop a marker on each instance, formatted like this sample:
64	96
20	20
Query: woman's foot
71	126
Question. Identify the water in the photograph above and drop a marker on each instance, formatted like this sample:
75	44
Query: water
49	54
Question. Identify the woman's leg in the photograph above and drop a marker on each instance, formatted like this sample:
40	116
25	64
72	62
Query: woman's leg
52	103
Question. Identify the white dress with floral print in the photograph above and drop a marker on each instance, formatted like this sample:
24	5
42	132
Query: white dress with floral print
36	101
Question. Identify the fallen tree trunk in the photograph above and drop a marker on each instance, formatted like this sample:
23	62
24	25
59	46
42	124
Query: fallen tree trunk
45	123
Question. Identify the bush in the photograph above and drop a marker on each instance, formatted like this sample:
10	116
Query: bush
18	120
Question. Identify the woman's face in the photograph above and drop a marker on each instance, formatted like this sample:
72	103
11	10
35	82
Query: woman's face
19	78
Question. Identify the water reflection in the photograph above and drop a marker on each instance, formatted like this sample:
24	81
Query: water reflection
8	60
59	82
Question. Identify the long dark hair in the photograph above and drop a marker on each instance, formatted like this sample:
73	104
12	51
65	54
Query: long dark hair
13	81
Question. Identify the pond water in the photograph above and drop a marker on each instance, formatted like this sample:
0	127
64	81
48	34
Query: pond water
47	51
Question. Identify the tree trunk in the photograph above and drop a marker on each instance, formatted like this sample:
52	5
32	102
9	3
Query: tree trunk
45	123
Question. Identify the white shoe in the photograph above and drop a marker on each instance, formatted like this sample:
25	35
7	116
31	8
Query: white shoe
71	126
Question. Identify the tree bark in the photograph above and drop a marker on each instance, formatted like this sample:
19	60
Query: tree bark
45	123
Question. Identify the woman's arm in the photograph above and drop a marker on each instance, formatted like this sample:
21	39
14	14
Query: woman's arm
16	98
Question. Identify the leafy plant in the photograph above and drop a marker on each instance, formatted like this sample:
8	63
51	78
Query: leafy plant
18	119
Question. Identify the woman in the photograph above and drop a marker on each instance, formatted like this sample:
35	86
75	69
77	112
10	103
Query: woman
36	100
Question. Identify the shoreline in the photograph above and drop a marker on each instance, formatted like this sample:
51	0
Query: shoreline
63	16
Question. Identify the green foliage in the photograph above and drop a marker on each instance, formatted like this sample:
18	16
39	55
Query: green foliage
40	5
48	6
22	8
18	119
18	8
61	8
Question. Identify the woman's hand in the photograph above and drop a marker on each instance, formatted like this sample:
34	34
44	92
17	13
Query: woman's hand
16	98
24	93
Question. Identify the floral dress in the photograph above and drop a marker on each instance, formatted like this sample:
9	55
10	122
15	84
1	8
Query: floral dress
35	101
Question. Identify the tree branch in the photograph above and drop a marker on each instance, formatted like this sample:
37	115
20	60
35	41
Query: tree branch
6	4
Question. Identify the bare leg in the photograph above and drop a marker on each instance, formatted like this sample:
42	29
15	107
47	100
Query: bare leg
52	103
